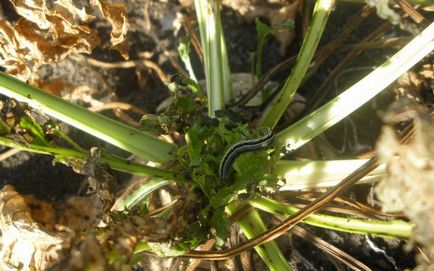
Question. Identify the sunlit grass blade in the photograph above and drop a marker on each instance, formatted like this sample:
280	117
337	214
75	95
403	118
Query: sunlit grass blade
251	224
280	103
115	162
392	228
226	69
109	130
216	64
328	115
315	174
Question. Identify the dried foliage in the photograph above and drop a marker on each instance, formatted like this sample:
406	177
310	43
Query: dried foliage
410	183
26	245
49	31
37	234
116	15
80	234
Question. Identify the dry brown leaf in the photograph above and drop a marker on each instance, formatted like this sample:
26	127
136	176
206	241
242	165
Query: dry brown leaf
40	11
50	30
25	47
36	234
70	11
10	53
34	11
116	15
42	50
25	244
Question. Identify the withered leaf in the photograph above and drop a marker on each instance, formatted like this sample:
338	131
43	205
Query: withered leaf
115	14
50	30
25	244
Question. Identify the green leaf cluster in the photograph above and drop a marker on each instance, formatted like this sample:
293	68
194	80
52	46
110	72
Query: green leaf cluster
206	140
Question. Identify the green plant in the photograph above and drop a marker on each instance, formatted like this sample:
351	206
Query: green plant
208	136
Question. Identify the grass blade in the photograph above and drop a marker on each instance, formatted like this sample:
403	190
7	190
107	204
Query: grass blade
328	115
109	130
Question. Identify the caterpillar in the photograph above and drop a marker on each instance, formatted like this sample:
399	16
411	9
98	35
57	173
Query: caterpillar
255	144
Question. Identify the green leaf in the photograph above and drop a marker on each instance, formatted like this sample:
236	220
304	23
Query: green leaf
155	123
263	30
221	224
32	126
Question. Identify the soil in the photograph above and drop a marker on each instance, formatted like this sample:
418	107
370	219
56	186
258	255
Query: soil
36	174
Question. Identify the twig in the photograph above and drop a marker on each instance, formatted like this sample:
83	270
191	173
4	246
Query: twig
8	153
196	262
321	92
411	11
377	44
118	105
328	248
125	65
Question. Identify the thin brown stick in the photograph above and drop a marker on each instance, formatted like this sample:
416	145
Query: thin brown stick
118	105
378	44
196	262
411	11
353	208
367	209
338	210
161	209
8	153
328	248
125	65
125	118
321	92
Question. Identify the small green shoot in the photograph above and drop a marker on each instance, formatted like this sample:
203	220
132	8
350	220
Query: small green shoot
263	31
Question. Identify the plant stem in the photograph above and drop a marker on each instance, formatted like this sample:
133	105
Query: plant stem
58	132
217	71
280	103
140	193
251	224
328	115
299	175
115	162
393	228
109	130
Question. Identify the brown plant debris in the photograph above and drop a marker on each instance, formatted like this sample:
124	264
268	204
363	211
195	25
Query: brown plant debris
80	234
51	30
409	185
25	243
116	15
